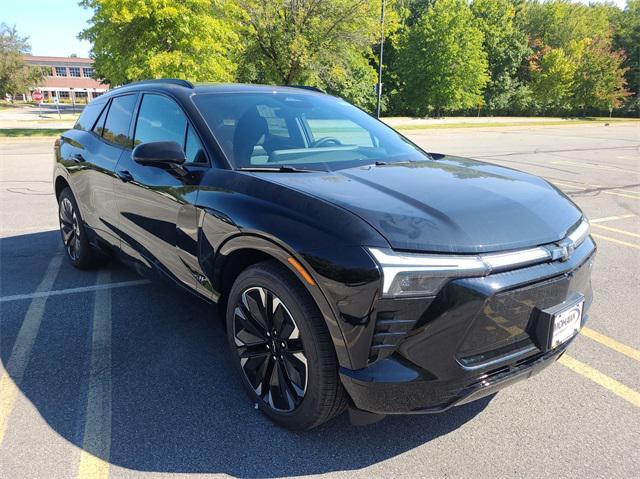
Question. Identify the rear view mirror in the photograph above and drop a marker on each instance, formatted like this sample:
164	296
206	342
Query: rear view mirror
159	153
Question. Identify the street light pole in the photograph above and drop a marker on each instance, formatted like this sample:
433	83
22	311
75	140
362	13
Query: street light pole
379	86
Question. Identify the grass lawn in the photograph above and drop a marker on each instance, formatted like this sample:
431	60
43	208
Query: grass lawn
30	132
572	121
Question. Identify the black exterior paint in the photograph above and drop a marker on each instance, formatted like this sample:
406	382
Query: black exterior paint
419	354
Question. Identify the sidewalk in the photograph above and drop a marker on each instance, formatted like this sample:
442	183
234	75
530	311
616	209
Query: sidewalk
30	116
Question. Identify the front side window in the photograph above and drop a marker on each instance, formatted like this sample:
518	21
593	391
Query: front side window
116	126
161	119
193	149
309	131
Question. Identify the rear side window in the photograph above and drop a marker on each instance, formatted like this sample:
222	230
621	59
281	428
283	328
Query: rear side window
116	127
98	128
89	116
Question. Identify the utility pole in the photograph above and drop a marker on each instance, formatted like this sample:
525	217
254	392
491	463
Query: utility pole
379	85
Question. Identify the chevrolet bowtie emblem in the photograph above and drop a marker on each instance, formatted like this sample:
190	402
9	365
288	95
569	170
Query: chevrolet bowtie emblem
563	250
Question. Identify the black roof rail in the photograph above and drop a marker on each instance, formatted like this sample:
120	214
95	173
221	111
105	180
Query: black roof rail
171	81
307	87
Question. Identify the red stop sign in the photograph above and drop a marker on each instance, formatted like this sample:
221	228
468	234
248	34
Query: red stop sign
37	96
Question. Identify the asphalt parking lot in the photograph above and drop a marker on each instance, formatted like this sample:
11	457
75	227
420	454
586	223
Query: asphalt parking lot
103	374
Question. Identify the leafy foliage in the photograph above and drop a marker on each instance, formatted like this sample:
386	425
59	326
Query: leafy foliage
138	39
506	48
322	43
627	39
599	81
442	61
508	56
15	76
552	74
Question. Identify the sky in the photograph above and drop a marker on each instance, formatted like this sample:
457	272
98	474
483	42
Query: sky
53	25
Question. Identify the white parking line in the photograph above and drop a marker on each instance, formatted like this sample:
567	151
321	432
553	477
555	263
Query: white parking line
611	218
96	442
81	289
19	358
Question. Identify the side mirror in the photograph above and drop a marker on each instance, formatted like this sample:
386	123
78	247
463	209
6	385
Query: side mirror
159	153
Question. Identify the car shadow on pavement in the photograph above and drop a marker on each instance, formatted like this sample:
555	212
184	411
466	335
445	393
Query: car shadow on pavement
176	403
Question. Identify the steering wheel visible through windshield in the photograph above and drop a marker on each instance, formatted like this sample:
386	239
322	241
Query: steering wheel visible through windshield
299	130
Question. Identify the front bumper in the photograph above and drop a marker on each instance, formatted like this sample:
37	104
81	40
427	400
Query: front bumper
393	388
476	337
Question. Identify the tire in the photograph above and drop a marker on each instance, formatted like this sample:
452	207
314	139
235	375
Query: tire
74	238
301	346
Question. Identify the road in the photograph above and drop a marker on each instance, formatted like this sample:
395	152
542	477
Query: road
111	376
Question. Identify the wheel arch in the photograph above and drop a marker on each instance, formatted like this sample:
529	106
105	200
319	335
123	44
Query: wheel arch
59	185
242	251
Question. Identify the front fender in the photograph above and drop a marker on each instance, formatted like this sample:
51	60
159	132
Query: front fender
242	211
282	253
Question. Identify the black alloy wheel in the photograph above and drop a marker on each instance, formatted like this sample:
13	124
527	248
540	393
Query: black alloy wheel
271	353
282	348
70	228
81	254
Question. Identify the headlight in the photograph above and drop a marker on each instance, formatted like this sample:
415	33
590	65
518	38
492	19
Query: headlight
578	235
410	274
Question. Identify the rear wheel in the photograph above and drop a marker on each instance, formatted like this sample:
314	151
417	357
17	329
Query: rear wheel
81	254
283	349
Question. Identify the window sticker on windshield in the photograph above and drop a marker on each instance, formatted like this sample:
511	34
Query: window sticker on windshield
265	111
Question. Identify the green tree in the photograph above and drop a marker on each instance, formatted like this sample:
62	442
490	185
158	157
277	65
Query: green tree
15	76
139	39
600	82
506	48
558	23
442	61
627	38
552	79
322	43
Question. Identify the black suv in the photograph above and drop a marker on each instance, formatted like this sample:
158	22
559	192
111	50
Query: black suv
354	269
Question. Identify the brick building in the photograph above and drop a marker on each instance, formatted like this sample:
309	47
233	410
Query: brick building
68	78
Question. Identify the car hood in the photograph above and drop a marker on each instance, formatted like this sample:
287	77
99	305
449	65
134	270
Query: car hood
450	204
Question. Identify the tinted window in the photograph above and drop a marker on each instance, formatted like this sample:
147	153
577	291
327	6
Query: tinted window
116	128
193	148
98	128
89	116
160	119
300	129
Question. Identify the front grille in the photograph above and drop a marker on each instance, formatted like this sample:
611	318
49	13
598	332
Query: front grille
505	320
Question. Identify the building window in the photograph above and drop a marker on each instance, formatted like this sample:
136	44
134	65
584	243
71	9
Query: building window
96	94
87	72
52	72
81	94
63	95
74	71
61	71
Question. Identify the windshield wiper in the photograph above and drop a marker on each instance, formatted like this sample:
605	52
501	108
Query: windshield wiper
277	169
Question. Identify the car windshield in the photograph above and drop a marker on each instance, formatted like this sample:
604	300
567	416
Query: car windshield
300	131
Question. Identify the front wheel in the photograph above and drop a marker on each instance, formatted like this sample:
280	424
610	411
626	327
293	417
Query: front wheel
283	349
